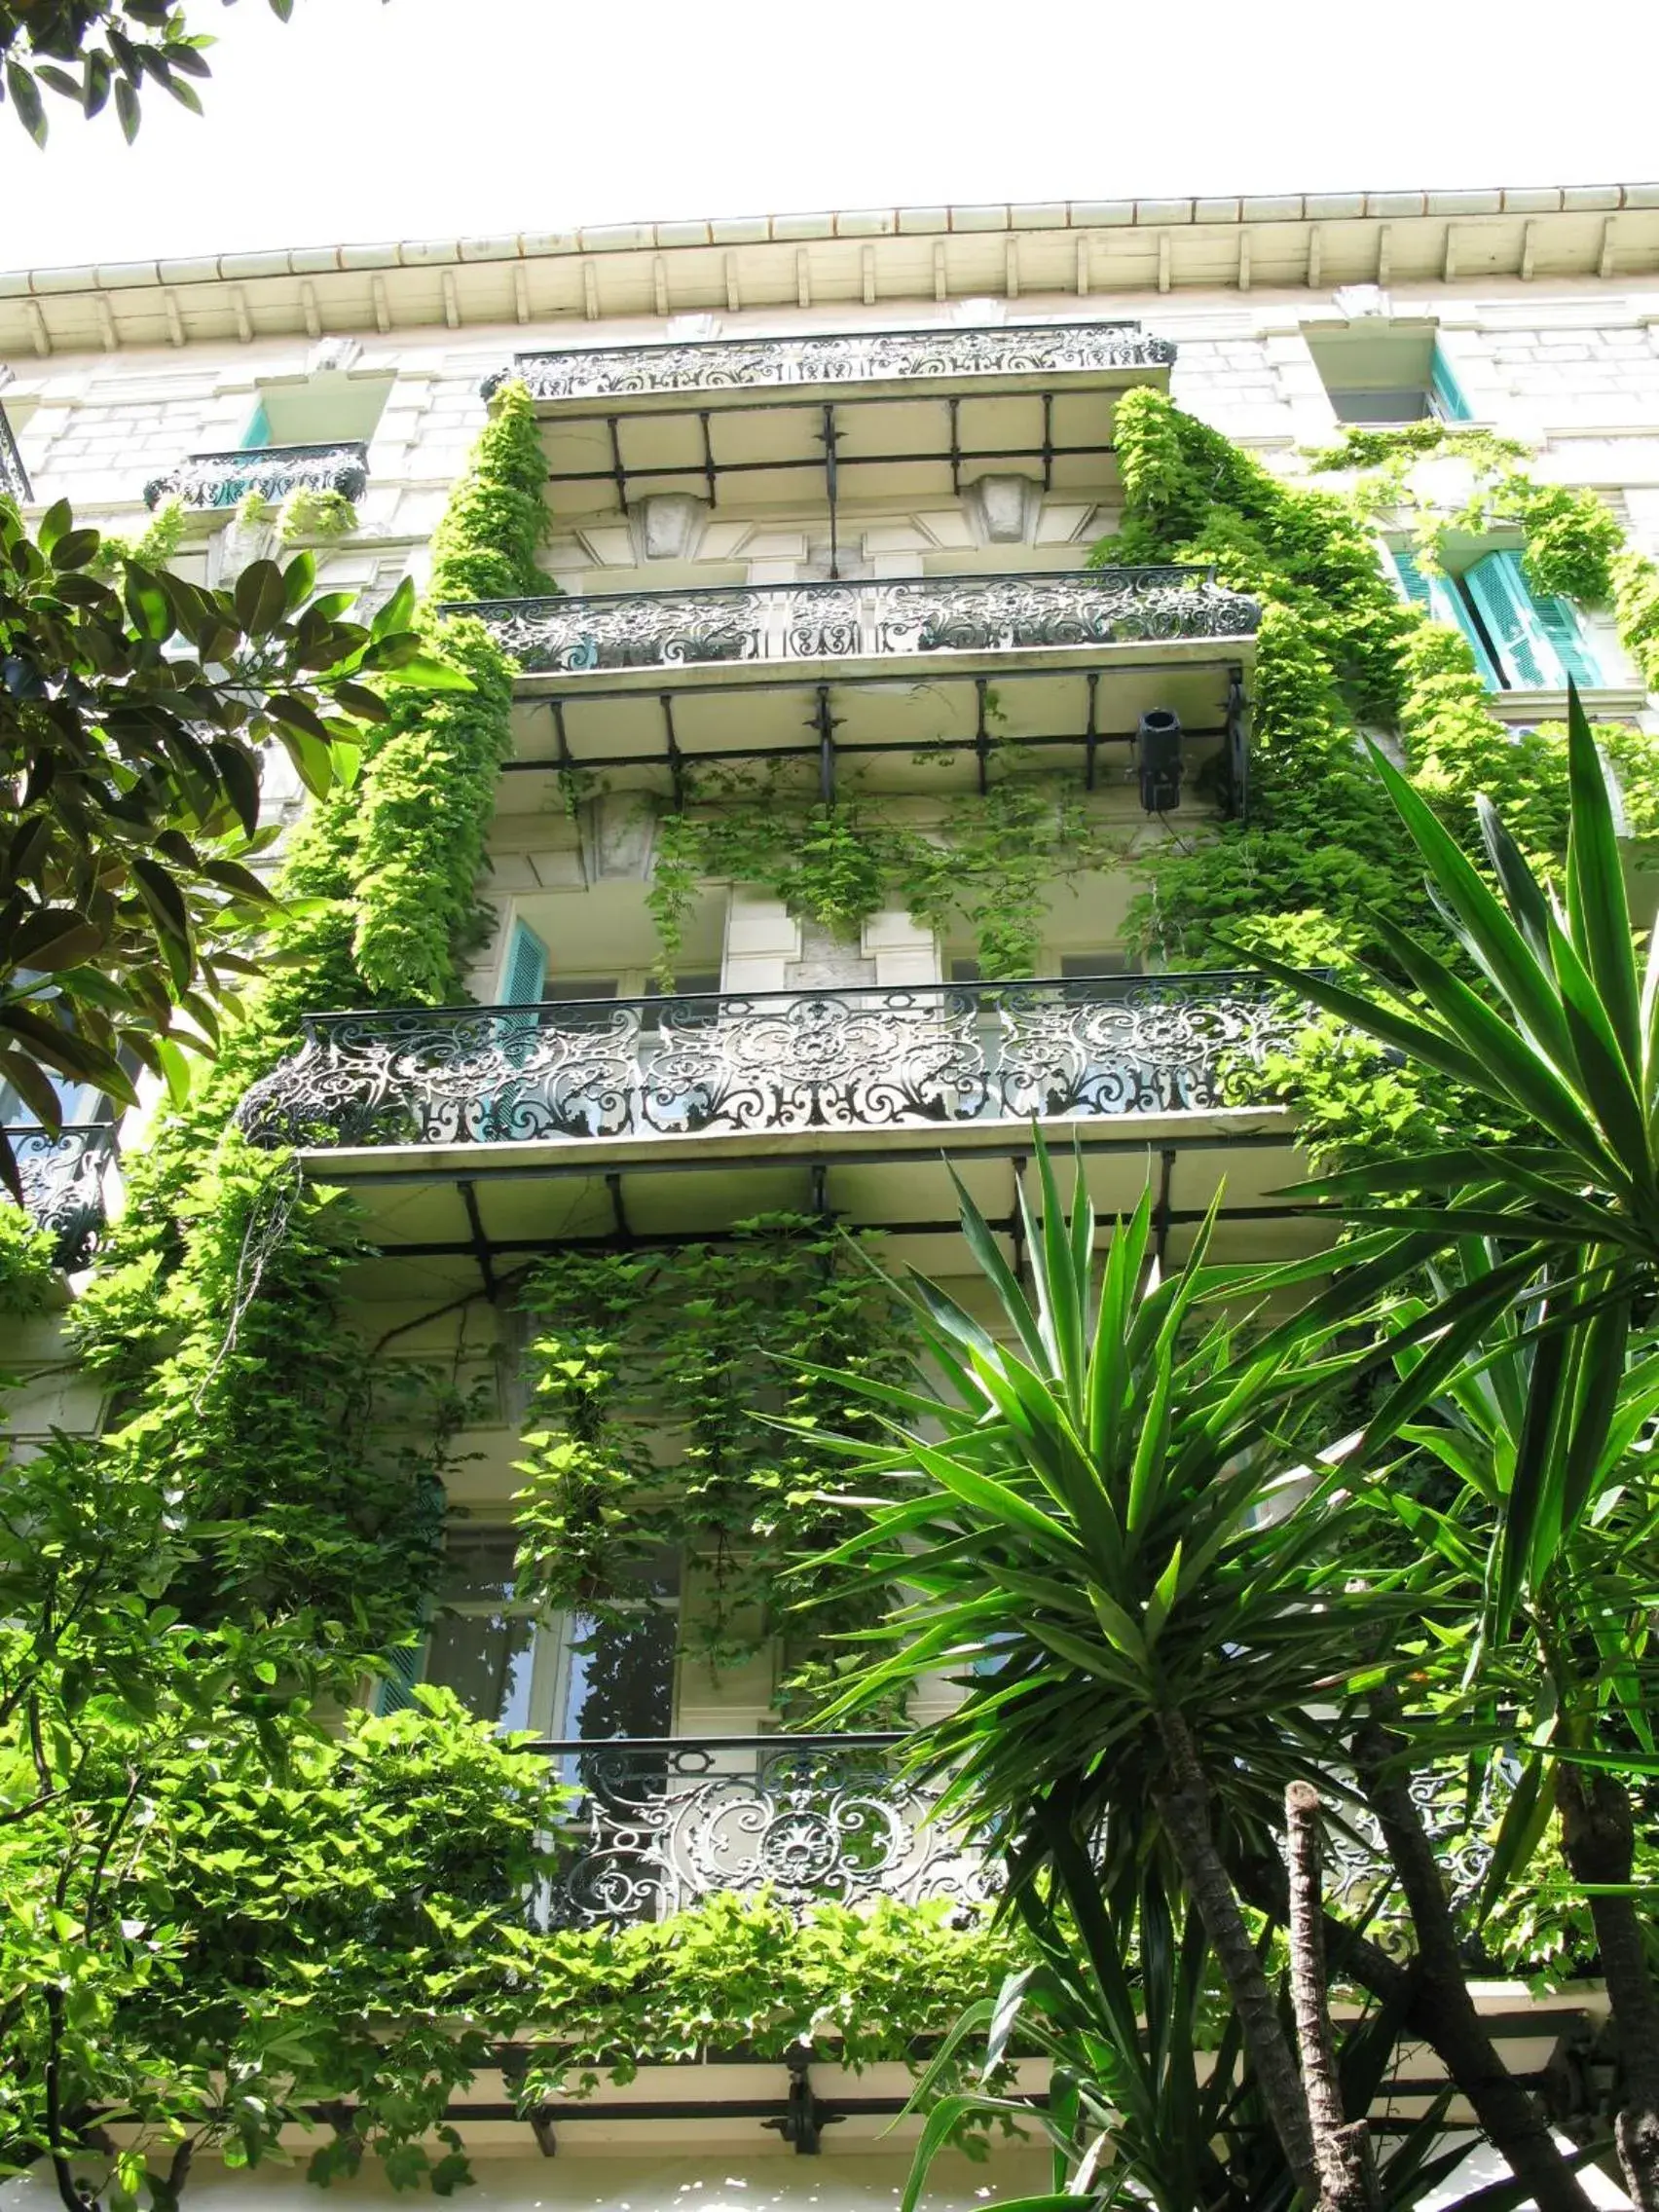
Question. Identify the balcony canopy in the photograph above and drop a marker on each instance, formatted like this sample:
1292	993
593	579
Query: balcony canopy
899	673
477	1137
914	413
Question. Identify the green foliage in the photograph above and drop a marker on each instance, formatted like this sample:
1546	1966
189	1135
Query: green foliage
657	1379
152	548
424	819
484	545
241	1538
866	1986
131	728
306	513
114	44
1340	653
986	869
27	1276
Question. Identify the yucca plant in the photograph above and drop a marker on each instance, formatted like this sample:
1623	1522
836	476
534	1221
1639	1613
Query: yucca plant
1550	1253
1150	2102
1572	1659
1104	1531
1564	1038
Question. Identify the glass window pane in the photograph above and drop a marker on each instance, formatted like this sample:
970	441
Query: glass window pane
478	1565
487	1659
621	1675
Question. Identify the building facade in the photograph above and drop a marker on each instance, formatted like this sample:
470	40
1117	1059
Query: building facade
821	500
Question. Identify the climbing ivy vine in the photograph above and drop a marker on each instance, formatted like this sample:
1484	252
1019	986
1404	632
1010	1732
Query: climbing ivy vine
986	867
1339	655
656	1379
245	1537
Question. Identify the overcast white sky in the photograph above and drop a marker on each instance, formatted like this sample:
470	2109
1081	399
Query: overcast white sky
430	118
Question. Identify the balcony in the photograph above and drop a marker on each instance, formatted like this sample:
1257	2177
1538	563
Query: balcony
721	365
662	1823
13	476
772	623
647	685
221	479
63	1178
486	1132
919	415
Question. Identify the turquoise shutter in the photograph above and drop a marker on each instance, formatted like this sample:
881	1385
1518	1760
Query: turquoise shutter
258	431
1439	599
397	1690
1445	392
527	967
1499	592
521	985
1560	625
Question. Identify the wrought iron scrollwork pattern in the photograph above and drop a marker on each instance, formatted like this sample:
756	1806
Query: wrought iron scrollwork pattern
840	622
612	372
63	1179
774	1061
802	1819
221	479
1359	1878
13	476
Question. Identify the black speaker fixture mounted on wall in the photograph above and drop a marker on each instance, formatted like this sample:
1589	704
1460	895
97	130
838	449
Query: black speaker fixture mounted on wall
1157	756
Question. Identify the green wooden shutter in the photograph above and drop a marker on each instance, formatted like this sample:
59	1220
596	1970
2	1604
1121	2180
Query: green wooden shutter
1446	393
397	1690
258	431
1499	591
1439	599
521	986
1560	625
527	967
1414	579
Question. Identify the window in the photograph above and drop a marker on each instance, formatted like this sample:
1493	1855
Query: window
78	1103
328	408
1114	961
573	1674
1384	372
1522	640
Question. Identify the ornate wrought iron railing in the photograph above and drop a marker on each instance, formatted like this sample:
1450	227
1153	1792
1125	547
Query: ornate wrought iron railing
62	1178
221	479
613	372
661	1822
769	1060
852	621
13	476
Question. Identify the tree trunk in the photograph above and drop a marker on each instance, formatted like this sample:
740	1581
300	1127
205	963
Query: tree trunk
1183	1806
1598	1839
1341	2148
1442	2011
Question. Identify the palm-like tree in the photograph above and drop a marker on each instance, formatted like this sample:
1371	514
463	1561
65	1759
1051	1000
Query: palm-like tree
1527	1344
1574	1655
1105	1531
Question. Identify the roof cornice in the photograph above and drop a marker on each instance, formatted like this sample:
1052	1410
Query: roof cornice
641	269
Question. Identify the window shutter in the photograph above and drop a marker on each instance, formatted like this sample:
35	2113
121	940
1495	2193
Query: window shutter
258	431
527	967
521	985
1414	579
397	1690
1439	599
1499	591
1446	393
1560	625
